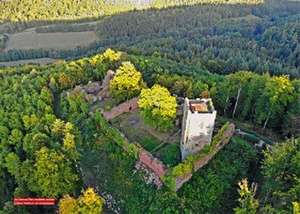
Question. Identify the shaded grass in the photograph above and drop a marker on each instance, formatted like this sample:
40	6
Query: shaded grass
169	154
149	143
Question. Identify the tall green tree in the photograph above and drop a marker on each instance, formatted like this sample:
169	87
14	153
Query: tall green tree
127	82
254	90
237	82
158	107
53	174
281	173
291	124
278	93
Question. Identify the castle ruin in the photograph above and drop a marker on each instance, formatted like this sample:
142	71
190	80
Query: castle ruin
197	125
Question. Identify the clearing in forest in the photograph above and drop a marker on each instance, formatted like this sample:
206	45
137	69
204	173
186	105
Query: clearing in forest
29	39
163	145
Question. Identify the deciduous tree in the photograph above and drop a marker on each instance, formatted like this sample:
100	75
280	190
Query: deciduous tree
158	107
276	96
127	82
67	205
281	171
90	202
53	173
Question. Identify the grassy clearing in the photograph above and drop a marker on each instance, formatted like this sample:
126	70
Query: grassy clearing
164	146
133	126
169	154
29	39
149	143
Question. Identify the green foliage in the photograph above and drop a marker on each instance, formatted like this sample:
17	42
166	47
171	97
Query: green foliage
248	204
149	143
53	174
158	107
127	82
296	207
221	38
280	171
88	202
115	136
186	167
292	120
40	137
277	95
259	98
109	161
169	154
41	130
213	188
179	85
12	163
25	10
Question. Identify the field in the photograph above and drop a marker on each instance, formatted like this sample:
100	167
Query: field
29	39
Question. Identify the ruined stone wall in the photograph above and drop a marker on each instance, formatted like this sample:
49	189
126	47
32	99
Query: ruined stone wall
127	106
203	161
105	84
159	172
154	170
152	163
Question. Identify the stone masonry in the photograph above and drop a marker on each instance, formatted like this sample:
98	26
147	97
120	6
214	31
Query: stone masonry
127	106
197	125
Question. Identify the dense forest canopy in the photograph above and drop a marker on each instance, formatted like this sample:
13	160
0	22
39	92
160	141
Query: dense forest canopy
55	141
46	136
218	38
27	10
222	38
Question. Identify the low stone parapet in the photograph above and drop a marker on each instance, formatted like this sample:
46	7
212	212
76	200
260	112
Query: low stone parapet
183	172
153	168
125	107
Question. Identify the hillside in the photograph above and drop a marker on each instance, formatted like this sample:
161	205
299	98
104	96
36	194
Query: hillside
218	38
149	106
47	121
26	10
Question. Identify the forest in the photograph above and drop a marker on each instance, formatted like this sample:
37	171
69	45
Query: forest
24	10
219	38
243	54
42	131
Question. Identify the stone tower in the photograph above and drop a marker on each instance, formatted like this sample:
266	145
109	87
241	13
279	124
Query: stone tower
197	126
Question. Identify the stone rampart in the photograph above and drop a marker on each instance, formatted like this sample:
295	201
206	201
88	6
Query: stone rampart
127	106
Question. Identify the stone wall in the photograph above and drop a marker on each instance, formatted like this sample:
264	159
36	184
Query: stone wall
157	171
104	93
127	106
156	168
153	163
95	91
203	161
